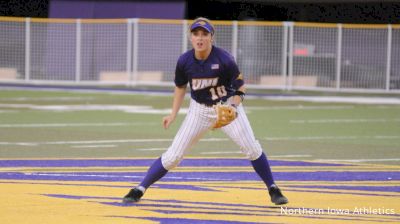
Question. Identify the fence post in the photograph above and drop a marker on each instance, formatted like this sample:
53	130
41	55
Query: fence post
184	36
133	77
129	50
339	56
388	57
234	38
27	49
284	54
289	81
78	51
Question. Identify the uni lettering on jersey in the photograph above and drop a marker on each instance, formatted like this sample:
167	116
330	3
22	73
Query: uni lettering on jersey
198	84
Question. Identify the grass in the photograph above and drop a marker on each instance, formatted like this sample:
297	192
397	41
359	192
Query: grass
314	131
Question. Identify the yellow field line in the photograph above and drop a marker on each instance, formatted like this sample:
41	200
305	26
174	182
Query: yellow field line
345	191
376	184
221	183
178	170
348	165
296	168
78	158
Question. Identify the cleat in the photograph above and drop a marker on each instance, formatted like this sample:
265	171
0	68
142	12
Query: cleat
134	195
276	196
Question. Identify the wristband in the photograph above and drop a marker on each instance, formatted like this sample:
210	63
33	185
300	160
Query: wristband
241	94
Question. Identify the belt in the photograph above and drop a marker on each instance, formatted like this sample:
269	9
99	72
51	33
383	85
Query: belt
212	104
207	105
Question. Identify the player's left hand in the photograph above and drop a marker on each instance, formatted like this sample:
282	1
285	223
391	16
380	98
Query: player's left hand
225	115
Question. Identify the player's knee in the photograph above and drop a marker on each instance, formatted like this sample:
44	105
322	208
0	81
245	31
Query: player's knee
170	162
253	155
253	151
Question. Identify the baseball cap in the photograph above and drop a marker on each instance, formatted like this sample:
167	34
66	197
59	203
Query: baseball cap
203	24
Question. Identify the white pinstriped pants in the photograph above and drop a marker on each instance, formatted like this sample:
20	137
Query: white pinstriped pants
198	121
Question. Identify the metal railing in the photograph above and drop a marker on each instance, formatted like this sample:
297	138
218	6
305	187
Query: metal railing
283	55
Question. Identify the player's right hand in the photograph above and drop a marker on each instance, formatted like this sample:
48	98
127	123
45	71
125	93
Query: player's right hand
167	120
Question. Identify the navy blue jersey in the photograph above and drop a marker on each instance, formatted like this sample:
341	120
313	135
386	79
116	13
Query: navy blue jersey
212	80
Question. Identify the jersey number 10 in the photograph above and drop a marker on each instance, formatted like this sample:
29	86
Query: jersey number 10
218	92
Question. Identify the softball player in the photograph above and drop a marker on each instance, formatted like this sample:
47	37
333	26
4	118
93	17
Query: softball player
213	77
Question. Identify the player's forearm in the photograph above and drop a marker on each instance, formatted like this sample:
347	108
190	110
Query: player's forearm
237	99
179	95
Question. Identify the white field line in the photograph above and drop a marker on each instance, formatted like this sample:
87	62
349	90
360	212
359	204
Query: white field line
269	156
214	139
299	107
104	141
386	137
307	138
20	143
55	98
117	176
239	152
152	149
76	124
8	111
142	108
68	108
88	142
93	146
337	99
357	160
218	153
323	121
150	110
303	138
290	156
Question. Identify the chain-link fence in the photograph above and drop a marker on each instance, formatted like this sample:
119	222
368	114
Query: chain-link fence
284	55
